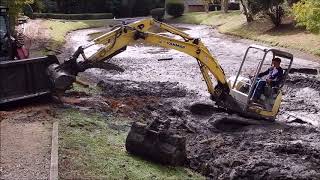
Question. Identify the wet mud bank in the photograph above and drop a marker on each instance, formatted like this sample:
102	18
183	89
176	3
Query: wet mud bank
219	145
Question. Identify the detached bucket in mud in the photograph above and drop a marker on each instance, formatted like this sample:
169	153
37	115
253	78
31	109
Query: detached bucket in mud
155	143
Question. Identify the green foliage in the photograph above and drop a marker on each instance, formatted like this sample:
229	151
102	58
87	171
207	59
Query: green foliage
262	30
307	14
15	7
27	10
115	6
175	9
38	5
142	7
158	13
272	8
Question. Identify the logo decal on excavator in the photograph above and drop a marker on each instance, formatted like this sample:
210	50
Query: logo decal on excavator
176	45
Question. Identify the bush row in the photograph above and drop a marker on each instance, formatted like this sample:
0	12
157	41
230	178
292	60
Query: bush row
158	13
175	9
73	16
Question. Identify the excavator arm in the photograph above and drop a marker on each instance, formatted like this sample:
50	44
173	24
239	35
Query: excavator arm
116	41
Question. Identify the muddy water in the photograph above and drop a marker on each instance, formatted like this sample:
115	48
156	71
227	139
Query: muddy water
287	149
141	64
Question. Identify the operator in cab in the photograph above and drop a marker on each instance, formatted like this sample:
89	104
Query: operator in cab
271	76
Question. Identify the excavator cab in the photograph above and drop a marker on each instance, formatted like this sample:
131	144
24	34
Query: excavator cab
242	85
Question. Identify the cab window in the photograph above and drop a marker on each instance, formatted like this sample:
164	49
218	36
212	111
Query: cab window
3	27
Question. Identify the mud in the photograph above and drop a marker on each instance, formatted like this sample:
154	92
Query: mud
125	88
219	145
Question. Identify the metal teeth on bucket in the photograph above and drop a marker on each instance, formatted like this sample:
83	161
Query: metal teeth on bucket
155	143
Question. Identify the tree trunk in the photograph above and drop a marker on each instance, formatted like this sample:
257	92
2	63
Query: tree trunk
275	14
246	11
206	5
224	5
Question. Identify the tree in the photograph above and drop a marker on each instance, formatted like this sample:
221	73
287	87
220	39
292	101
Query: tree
116	5
225	5
246	10
307	14
206	4
15	7
174	8
271	8
38	5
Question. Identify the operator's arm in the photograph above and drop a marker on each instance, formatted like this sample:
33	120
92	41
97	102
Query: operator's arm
264	73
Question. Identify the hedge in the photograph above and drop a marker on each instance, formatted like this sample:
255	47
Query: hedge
73	16
158	13
175	9
234	6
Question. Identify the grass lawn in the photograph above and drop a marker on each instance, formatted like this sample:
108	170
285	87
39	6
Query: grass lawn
58	29
92	146
234	23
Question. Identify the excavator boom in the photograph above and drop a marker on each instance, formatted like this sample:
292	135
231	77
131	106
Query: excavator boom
116	41
153	141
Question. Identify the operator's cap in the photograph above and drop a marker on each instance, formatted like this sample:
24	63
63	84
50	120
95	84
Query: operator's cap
277	60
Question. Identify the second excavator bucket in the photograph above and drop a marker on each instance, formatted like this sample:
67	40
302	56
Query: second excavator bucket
154	142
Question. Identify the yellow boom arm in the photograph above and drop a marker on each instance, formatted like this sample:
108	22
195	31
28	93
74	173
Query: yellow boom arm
116	41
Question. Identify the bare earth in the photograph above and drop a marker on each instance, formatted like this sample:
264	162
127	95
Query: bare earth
149	89
26	143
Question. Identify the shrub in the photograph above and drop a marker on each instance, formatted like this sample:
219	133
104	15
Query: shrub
73	16
142	7
307	14
214	7
158	13
27	10
175	9
234	6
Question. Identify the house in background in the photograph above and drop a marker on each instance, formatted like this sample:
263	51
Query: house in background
214	5
194	6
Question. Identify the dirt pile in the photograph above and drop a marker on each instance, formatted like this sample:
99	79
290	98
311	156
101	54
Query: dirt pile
302	80
256	152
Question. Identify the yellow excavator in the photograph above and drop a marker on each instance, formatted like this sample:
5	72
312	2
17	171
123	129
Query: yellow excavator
155	141
232	94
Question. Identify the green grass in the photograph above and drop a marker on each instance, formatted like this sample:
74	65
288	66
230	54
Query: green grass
58	29
91	146
234	23
214	18
91	90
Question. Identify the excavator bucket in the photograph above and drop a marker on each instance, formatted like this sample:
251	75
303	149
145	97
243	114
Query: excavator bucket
22	79
154	142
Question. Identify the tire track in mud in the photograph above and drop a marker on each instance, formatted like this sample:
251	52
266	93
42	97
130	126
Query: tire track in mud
148	91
